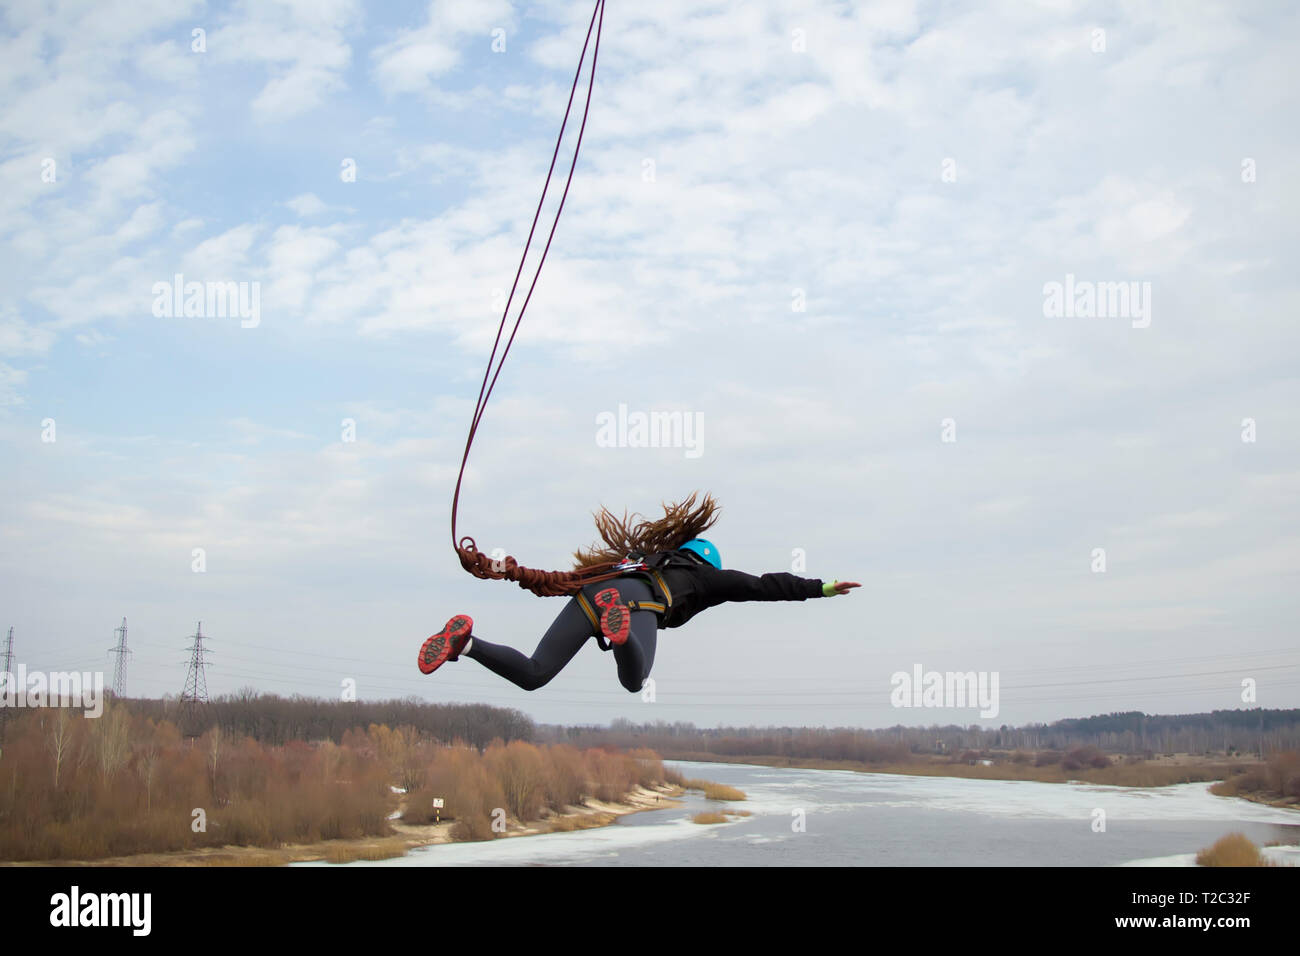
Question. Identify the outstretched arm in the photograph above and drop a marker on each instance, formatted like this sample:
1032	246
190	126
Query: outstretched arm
778	586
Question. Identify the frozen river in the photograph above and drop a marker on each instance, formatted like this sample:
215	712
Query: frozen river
828	817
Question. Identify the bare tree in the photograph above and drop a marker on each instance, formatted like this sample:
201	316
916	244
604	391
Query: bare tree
519	768
147	767
110	733
60	739
214	754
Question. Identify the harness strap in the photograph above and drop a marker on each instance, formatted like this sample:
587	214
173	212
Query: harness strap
647	606
588	610
663	586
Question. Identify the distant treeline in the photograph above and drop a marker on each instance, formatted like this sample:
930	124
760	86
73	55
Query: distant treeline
271	719
1222	731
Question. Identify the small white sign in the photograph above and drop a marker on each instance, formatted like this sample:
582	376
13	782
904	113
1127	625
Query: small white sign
437	803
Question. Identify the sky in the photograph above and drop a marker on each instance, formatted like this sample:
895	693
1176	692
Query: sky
855	244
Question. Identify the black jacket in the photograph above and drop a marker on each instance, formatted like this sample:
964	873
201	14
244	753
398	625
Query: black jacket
694	586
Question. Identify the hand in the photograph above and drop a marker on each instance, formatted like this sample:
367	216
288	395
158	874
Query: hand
842	587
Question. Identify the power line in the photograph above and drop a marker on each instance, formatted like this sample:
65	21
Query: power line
1237	658
390	678
1004	672
195	696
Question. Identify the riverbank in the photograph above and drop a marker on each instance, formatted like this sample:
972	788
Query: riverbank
1282	803
594	813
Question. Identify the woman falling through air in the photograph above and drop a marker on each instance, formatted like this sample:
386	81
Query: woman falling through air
668	575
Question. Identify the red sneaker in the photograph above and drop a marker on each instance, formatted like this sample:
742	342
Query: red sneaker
616	620
446	645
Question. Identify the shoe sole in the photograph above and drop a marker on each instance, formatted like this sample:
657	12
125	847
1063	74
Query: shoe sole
444	645
615	622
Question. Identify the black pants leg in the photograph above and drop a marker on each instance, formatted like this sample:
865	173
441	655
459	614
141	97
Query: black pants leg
561	641
637	656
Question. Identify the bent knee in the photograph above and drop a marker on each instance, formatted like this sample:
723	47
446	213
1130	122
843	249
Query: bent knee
535	681
630	686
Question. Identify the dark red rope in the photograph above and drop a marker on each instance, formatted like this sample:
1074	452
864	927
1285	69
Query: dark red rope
544	583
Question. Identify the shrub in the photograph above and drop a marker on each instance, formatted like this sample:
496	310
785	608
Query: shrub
566	782
674	776
1079	758
1232	850
649	767
611	774
709	817
518	769
715	791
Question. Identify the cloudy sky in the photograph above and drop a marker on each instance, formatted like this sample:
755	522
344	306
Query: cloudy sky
825	231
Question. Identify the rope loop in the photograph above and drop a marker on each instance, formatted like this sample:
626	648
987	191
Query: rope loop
541	583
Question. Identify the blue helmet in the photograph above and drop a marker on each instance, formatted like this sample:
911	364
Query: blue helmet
705	549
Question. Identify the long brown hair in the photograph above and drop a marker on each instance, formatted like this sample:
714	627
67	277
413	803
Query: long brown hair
681	522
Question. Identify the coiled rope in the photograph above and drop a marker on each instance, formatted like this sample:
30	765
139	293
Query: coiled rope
543	583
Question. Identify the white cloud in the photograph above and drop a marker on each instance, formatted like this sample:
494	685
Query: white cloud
302	45
293	258
169	62
145	221
11	379
414	59
221	257
306	205
19	337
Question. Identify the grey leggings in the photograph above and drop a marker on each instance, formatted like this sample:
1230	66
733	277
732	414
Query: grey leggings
565	637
